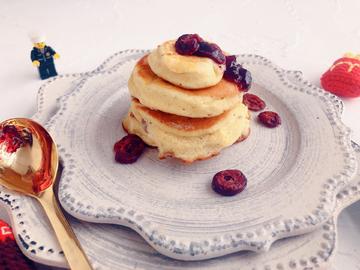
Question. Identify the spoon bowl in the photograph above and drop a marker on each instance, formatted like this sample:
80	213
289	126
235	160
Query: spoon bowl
42	160
28	164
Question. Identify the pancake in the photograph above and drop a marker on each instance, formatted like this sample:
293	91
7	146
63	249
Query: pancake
191	72
185	138
158	94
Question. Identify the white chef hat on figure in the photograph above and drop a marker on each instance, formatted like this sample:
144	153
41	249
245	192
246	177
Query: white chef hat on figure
37	37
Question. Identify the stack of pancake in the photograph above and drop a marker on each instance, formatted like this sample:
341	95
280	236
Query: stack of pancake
183	106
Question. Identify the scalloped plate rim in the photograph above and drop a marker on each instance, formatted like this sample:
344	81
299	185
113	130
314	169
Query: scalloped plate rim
162	243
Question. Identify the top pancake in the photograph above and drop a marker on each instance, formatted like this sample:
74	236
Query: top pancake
158	94
191	72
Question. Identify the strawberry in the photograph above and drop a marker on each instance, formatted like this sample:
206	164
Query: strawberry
343	77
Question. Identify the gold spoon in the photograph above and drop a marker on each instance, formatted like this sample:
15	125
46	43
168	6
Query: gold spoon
28	164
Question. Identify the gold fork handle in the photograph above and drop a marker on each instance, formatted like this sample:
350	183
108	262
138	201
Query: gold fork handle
74	254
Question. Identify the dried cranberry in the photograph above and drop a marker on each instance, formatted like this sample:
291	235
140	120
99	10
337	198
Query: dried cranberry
129	149
236	73
230	59
253	102
193	44
187	44
229	182
211	50
269	119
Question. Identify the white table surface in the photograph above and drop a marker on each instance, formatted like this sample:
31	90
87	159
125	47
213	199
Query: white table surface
297	35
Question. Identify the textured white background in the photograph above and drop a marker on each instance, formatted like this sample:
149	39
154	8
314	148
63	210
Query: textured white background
303	35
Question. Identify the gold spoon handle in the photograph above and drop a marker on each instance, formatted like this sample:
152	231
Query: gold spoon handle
74	254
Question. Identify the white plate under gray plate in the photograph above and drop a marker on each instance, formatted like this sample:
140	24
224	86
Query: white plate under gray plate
171	205
115	247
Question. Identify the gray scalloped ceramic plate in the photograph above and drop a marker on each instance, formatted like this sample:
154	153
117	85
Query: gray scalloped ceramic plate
115	247
171	205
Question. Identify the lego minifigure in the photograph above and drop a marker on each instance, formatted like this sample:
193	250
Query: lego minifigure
42	57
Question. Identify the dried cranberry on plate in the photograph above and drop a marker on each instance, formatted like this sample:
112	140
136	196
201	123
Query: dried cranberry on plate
129	149
229	182
253	102
269	119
